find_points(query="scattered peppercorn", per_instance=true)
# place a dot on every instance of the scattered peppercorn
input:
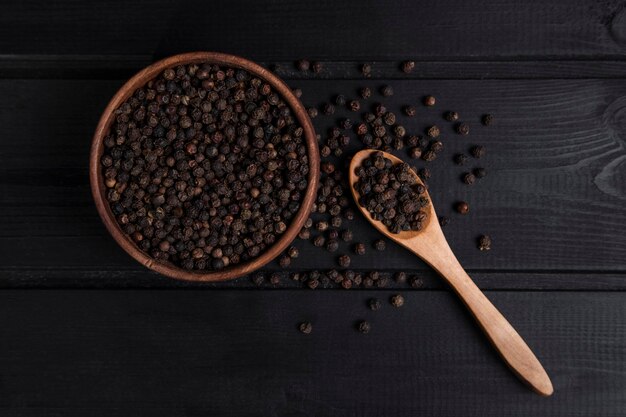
(332, 245)
(480, 172)
(415, 152)
(374, 304)
(319, 241)
(359, 248)
(366, 70)
(380, 245)
(462, 207)
(317, 67)
(397, 300)
(275, 278)
(429, 101)
(344, 261)
(424, 173)
(400, 277)
(462, 128)
(305, 327)
(407, 66)
(346, 235)
(444, 221)
(303, 65)
(354, 105)
(433, 131)
(469, 178)
(417, 282)
(477, 151)
(284, 261)
(451, 116)
(488, 119)
(460, 159)
(328, 109)
(386, 91)
(364, 327)
(409, 111)
(365, 93)
(258, 279)
(312, 112)
(484, 243)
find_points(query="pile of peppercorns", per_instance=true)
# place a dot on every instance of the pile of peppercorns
(391, 194)
(204, 166)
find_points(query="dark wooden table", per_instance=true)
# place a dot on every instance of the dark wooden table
(85, 331)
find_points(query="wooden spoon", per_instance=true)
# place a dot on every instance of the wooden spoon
(430, 244)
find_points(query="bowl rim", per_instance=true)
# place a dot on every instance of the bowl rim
(98, 188)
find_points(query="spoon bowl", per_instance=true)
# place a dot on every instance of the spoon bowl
(430, 245)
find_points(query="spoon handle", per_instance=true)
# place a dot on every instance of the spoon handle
(498, 330)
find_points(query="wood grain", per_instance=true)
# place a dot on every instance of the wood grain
(325, 29)
(552, 200)
(175, 353)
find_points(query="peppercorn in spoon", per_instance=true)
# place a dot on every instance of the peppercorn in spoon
(419, 231)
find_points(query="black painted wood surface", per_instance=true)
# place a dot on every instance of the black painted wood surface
(553, 201)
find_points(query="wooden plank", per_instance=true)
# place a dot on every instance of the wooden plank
(97, 67)
(282, 29)
(233, 353)
(553, 199)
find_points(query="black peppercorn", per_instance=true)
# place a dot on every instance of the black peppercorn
(400, 277)
(433, 131)
(305, 327)
(469, 178)
(477, 151)
(397, 300)
(354, 105)
(415, 152)
(407, 66)
(328, 109)
(462, 128)
(303, 65)
(344, 261)
(451, 116)
(484, 243)
(366, 70)
(293, 252)
(365, 93)
(374, 304)
(460, 159)
(409, 111)
(364, 327)
(316, 66)
(319, 241)
(312, 111)
(488, 119)
(480, 172)
(386, 91)
(332, 245)
(380, 245)
(462, 207)
(284, 261)
(359, 249)
(429, 101)
(444, 221)
(417, 282)
(313, 283)
(258, 279)
(275, 278)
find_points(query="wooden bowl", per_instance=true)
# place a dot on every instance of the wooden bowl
(98, 188)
